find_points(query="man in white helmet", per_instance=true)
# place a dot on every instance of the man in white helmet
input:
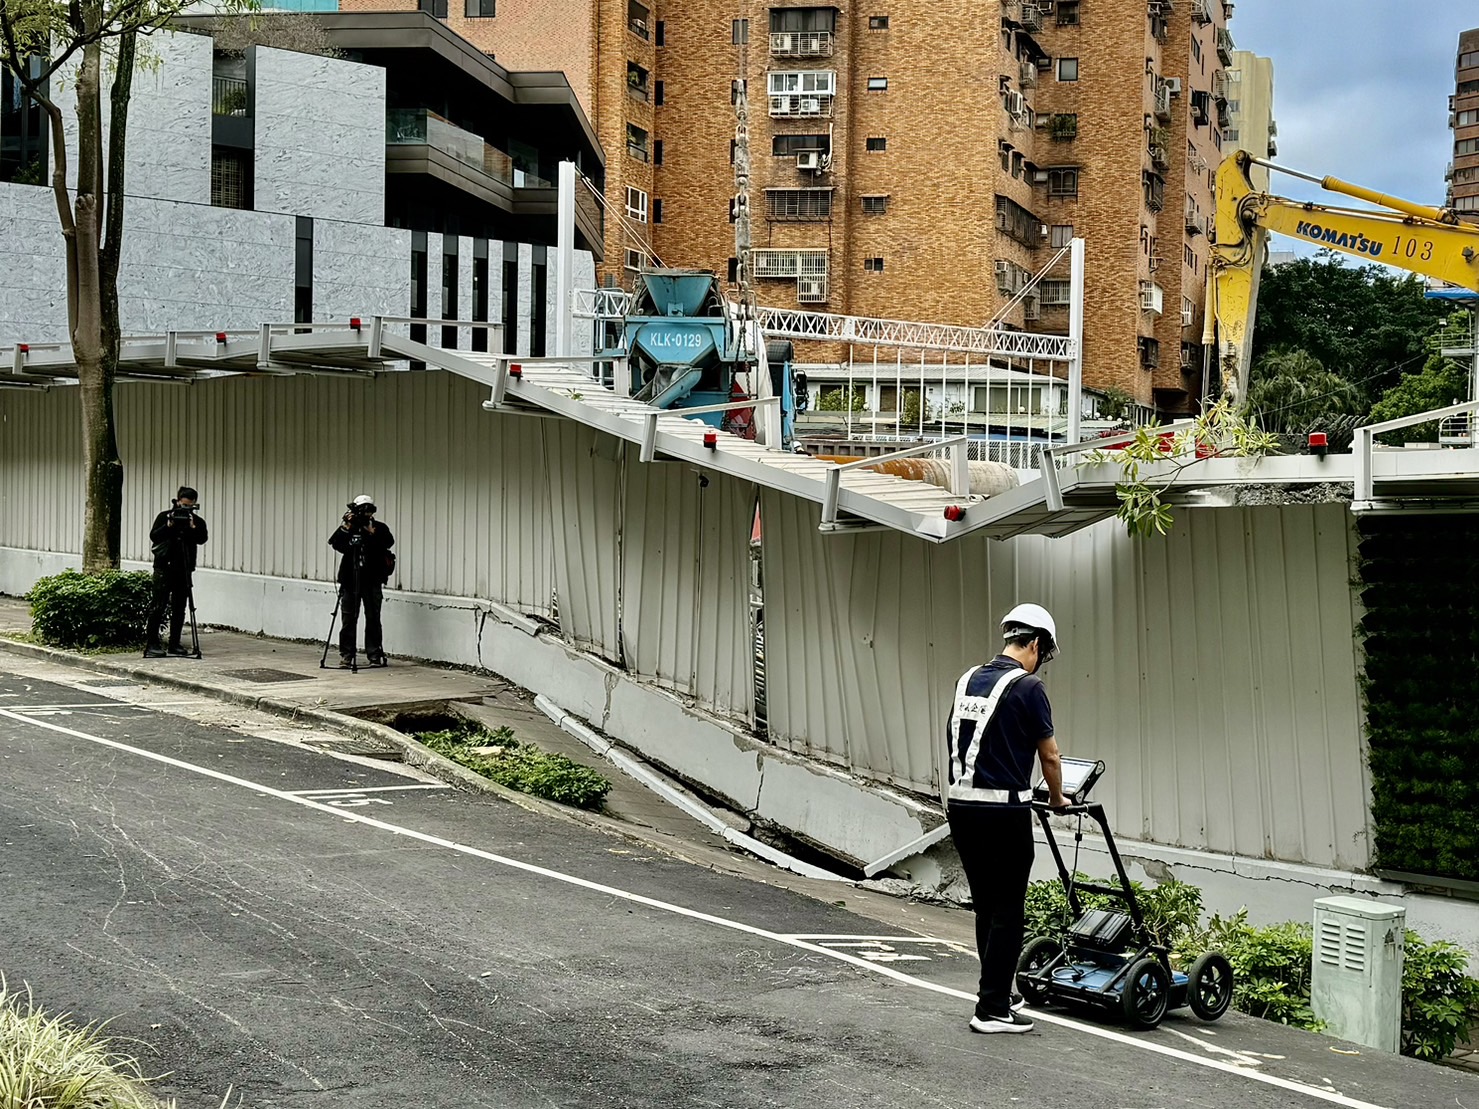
(364, 542)
(1000, 723)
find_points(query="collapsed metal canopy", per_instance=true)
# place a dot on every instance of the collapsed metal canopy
(1058, 498)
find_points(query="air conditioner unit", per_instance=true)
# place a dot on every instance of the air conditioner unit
(1173, 85)
(1186, 356)
(1042, 231)
(1040, 177)
(1001, 220)
(780, 44)
(1040, 120)
(1016, 103)
(1003, 275)
(1152, 297)
(809, 160)
(1031, 308)
(811, 104)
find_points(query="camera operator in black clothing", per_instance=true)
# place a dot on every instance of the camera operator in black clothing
(365, 543)
(175, 535)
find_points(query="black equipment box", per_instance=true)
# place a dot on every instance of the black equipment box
(1102, 930)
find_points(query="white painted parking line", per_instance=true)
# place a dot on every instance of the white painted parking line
(1314, 1093)
(366, 789)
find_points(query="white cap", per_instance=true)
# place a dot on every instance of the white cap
(364, 498)
(1033, 617)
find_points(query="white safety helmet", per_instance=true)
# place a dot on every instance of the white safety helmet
(363, 498)
(1025, 619)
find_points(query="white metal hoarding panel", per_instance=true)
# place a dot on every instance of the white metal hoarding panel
(276, 460)
(585, 473)
(685, 584)
(40, 480)
(1214, 670)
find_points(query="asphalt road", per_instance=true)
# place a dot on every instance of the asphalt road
(312, 930)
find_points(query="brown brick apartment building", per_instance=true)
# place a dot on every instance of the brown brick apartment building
(911, 159)
(1463, 107)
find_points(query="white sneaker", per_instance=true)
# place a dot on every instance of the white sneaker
(1012, 1023)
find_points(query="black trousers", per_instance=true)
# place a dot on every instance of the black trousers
(171, 591)
(370, 594)
(995, 847)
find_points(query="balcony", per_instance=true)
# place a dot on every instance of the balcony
(802, 106)
(1225, 46)
(421, 127)
(801, 44)
(1201, 108)
(1196, 223)
(1027, 79)
(1201, 11)
(1160, 148)
(1219, 85)
(230, 96)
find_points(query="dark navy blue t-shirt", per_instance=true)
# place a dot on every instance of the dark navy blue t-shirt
(1023, 719)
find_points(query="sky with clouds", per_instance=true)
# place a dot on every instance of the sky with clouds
(1361, 88)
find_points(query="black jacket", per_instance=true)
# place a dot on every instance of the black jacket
(174, 544)
(373, 550)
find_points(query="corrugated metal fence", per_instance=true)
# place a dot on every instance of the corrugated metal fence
(1214, 670)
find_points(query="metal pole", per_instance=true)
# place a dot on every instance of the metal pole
(1076, 337)
(565, 258)
(873, 427)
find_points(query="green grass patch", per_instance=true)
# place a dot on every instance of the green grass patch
(50, 1061)
(520, 766)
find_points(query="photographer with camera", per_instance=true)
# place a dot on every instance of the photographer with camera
(365, 543)
(176, 533)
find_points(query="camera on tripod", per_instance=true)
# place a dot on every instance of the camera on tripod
(182, 512)
(358, 515)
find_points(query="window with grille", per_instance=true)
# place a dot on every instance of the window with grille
(790, 263)
(1063, 182)
(798, 204)
(231, 183)
(1061, 234)
(633, 259)
(877, 146)
(875, 205)
(1055, 292)
(1018, 222)
(1068, 13)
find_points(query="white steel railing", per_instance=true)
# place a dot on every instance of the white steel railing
(801, 44)
(1365, 443)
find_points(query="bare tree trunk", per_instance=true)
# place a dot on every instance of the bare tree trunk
(102, 472)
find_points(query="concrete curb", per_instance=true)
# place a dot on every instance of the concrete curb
(412, 753)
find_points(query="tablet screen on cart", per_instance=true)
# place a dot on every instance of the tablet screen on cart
(1079, 776)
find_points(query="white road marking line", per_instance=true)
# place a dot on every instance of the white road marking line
(1330, 1096)
(367, 789)
(110, 705)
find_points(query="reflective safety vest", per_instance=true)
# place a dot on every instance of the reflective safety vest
(979, 711)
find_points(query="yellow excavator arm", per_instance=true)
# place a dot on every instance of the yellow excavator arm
(1416, 237)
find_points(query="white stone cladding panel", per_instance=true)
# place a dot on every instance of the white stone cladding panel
(464, 291)
(359, 270)
(33, 268)
(189, 266)
(525, 300)
(169, 119)
(320, 137)
(184, 267)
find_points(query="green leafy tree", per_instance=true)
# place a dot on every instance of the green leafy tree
(1441, 383)
(1115, 403)
(80, 42)
(1361, 323)
(840, 400)
(1292, 391)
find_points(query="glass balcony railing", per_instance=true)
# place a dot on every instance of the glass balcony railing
(420, 127)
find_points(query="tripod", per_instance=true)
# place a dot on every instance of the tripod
(357, 552)
(194, 628)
